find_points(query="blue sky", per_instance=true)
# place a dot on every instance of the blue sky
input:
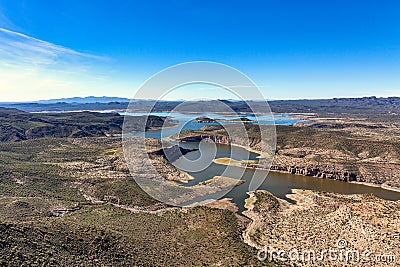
(291, 49)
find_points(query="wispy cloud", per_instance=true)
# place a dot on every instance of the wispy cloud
(18, 48)
(31, 68)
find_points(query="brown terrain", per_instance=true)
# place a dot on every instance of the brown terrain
(363, 228)
(350, 149)
(70, 199)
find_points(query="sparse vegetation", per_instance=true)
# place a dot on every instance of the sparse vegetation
(42, 175)
(108, 220)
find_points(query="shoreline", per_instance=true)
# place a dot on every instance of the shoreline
(382, 186)
(237, 163)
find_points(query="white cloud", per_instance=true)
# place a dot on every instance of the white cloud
(19, 48)
(32, 69)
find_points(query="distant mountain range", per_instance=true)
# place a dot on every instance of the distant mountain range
(72, 100)
(84, 100)
(370, 106)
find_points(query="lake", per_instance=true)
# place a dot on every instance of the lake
(279, 184)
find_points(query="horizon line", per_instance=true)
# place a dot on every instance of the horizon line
(171, 100)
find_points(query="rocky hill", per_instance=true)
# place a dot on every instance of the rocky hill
(16, 125)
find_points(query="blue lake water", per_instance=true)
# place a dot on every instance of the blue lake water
(185, 121)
